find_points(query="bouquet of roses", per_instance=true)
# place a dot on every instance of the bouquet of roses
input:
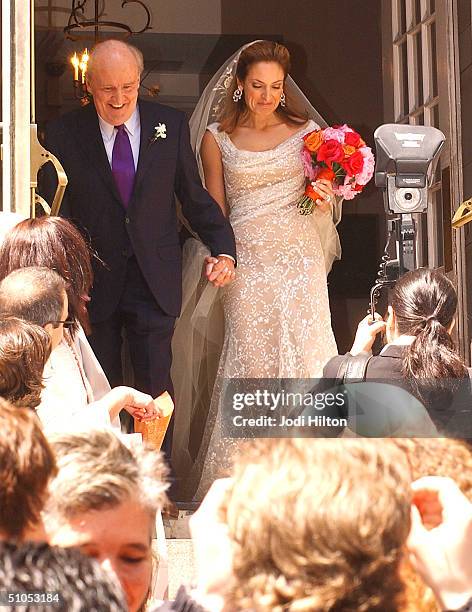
(339, 155)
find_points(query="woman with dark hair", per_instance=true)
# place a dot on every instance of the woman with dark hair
(248, 131)
(419, 350)
(57, 244)
(276, 312)
(73, 377)
(423, 305)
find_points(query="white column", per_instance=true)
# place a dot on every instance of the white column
(16, 107)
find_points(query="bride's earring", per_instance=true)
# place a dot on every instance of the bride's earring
(238, 94)
(282, 99)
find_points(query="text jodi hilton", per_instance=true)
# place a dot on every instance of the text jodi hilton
(302, 420)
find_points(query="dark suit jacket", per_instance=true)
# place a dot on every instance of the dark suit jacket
(148, 228)
(450, 411)
(387, 365)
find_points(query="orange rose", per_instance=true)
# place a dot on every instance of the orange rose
(311, 193)
(324, 173)
(313, 141)
(348, 150)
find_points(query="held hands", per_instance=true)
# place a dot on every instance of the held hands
(219, 270)
(140, 405)
(325, 189)
(367, 331)
(440, 540)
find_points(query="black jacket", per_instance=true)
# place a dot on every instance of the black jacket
(148, 228)
(380, 410)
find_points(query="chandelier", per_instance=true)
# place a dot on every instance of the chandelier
(79, 23)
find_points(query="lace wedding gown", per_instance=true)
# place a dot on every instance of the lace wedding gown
(276, 311)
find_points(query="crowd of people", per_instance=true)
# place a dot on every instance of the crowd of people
(319, 525)
(377, 518)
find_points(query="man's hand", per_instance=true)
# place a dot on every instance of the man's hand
(440, 540)
(219, 270)
(367, 331)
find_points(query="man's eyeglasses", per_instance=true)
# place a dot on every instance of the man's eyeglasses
(66, 324)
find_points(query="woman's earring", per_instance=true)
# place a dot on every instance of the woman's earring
(238, 93)
(282, 99)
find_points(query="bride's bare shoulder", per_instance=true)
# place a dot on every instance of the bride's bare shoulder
(298, 125)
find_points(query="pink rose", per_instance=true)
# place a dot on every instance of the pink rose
(308, 169)
(330, 133)
(345, 191)
(369, 165)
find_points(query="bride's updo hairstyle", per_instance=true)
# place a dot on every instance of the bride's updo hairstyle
(262, 51)
(425, 302)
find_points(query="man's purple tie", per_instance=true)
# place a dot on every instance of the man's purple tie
(122, 164)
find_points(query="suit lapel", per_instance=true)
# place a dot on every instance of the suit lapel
(147, 151)
(91, 141)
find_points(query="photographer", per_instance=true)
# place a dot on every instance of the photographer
(419, 354)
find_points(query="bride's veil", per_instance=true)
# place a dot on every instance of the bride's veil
(199, 332)
(209, 105)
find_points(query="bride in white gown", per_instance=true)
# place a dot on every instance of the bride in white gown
(277, 321)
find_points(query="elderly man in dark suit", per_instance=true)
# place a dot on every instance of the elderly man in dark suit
(126, 159)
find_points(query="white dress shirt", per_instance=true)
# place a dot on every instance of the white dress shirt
(133, 129)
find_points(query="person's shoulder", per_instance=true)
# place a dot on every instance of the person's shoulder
(311, 125)
(69, 121)
(332, 366)
(214, 128)
(75, 115)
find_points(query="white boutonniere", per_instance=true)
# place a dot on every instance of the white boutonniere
(159, 132)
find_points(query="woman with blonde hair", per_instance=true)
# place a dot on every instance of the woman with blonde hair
(305, 526)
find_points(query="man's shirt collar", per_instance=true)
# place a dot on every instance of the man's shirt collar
(132, 126)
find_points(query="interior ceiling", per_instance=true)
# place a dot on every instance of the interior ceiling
(184, 53)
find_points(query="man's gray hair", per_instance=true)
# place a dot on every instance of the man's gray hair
(114, 44)
(97, 471)
(35, 294)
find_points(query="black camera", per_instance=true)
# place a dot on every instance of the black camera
(407, 156)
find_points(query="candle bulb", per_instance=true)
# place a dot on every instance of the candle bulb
(75, 62)
(84, 62)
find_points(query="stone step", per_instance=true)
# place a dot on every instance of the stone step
(181, 564)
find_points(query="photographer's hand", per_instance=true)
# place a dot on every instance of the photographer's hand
(367, 331)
